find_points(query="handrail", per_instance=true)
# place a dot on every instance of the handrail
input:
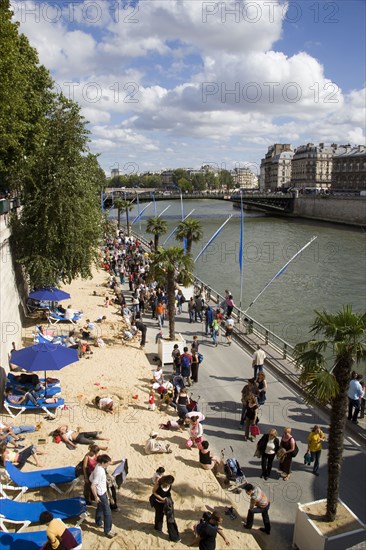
(249, 324)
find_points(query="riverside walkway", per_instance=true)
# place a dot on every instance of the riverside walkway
(222, 375)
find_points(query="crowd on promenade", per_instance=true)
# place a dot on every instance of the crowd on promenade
(127, 263)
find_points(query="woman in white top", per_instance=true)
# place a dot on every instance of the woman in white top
(268, 446)
(73, 437)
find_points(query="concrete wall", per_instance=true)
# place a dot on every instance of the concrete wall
(11, 307)
(348, 210)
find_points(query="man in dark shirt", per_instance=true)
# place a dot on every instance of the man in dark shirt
(207, 531)
(143, 328)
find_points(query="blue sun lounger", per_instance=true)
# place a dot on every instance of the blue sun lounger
(39, 478)
(43, 405)
(13, 381)
(54, 318)
(26, 513)
(32, 540)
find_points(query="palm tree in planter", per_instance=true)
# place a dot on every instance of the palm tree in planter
(157, 227)
(325, 364)
(191, 230)
(123, 204)
(167, 265)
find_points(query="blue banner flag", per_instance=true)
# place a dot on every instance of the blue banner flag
(213, 238)
(139, 215)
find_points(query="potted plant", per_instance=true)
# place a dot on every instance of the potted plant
(325, 364)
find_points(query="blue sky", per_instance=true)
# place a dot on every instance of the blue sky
(168, 83)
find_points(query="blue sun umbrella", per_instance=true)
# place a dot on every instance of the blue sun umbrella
(49, 294)
(44, 357)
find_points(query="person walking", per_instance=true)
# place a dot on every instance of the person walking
(209, 317)
(355, 393)
(249, 390)
(259, 504)
(258, 360)
(288, 446)
(194, 366)
(185, 366)
(229, 302)
(176, 358)
(315, 439)
(191, 310)
(229, 327)
(268, 446)
(251, 416)
(262, 388)
(98, 480)
(215, 331)
(162, 501)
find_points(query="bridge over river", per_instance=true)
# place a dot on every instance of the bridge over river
(271, 203)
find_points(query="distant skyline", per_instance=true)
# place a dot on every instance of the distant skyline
(182, 83)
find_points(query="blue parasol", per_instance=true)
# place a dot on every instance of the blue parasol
(44, 357)
(49, 294)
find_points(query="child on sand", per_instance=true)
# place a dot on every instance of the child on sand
(151, 405)
(158, 474)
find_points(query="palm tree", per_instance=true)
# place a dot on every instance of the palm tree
(191, 230)
(157, 227)
(325, 364)
(123, 204)
(166, 266)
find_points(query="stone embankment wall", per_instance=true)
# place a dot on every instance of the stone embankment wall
(347, 210)
(11, 307)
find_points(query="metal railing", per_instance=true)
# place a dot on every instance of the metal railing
(246, 325)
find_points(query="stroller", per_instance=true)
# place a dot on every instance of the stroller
(233, 471)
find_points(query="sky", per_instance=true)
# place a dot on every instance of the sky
(183, 83)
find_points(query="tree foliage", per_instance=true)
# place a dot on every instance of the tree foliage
(157, 227)
(325, 369)
(191, 230)
(167, 267)
(57, 233)
(25, 97)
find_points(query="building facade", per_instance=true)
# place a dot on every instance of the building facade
(267, 163)
(312, 166)
(281, 170)
(349, 169)
(245, 178)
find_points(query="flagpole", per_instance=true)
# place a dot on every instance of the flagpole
(138, 209)
(281, 271)
(139, 216)
(165, 209)
(175, 228)
(241, 247)
(213, 237)
(181, 206)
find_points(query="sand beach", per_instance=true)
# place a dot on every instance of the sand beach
(124, 372)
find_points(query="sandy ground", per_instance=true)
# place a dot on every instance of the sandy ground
(123, 371)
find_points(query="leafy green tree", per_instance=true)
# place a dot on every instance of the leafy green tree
(167, 266)
(119, 181)
(157, 227)
(198, 182)
(184, 185)
(178, 174)
(211, 181)
(151, 181)
(25, 97)
(226, 179)
(325, 365)
(59, 227)
(126, 206)
(191, 230)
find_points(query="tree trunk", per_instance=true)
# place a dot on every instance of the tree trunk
(171, 303)
(119, 217)
(342, 373)
(189, 245)
(128, 222)
(156, 241)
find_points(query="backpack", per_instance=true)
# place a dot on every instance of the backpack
(182, 299)
(185, 362)
(295, 451)
(200, 358)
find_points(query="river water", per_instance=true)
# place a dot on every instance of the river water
(329, 273)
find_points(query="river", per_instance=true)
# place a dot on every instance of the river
(329, 273)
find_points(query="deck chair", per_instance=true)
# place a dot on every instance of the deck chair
(13, 381)
(54, 318)
(24, 514)
(39, 478)
(43, 405)
(32, 540)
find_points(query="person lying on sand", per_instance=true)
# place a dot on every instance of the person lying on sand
(72, 437)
